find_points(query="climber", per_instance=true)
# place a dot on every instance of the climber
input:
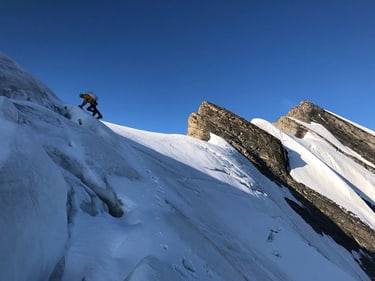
(91, 98)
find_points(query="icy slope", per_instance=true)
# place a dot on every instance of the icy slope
(32, 201)
(16, 83)
(192, 210)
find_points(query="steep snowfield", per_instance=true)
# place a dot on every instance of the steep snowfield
(16, 83)
(320, 166)
(192, 210)
(87, 200)
(32, 201)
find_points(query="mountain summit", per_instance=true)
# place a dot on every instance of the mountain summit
(353, 136)
(233, 200)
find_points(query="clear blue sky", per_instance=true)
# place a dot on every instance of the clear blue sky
(152, 62)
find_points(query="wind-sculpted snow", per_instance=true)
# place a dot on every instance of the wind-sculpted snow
(18, 84)
(33, 207)
(50, 169)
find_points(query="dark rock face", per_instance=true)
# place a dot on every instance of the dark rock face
(290, 126)
(269, 156)
(261, 148)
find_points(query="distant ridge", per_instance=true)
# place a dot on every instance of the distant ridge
(358, 139)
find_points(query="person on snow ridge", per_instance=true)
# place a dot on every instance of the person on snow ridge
(90, 98)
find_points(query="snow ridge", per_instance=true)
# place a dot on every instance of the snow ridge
(88, 200)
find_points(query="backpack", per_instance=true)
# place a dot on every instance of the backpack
(91, 94)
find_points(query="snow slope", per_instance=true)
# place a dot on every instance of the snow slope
(88, 200)
(317, 164)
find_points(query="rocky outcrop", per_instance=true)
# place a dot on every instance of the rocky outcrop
(291, 126)
(261, 148)
(347, 133)
(268, 154)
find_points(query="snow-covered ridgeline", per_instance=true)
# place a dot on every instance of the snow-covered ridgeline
(321, 167)
(192, 210)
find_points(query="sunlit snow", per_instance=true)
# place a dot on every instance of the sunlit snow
(321, 167)
(88, 200)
